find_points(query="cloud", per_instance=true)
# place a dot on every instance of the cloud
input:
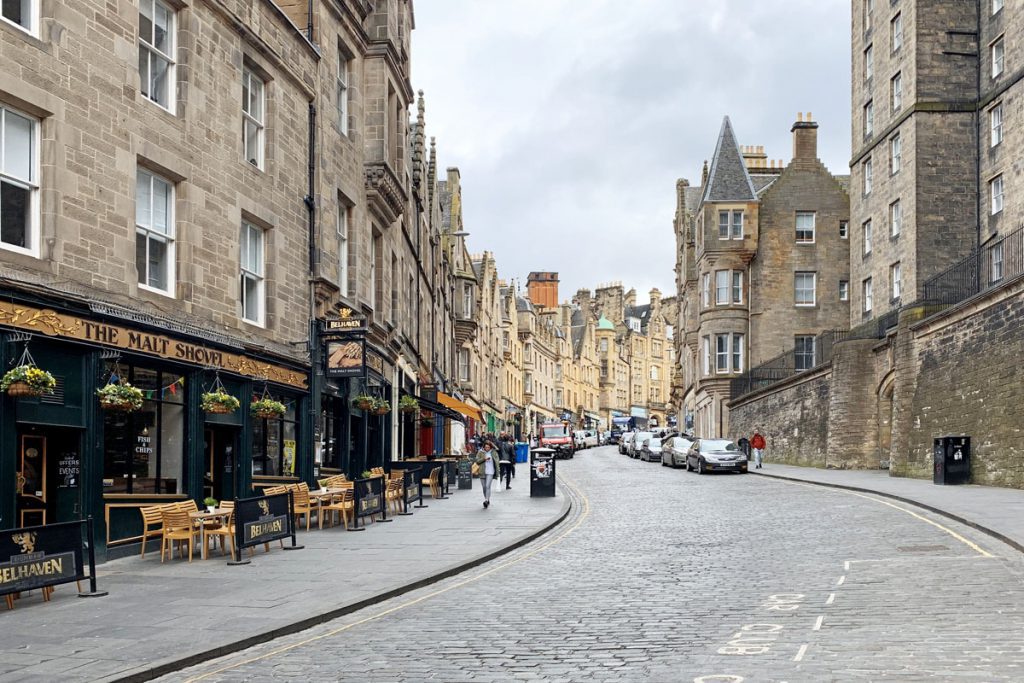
(571, 121)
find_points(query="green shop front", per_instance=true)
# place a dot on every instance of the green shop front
(67, 457)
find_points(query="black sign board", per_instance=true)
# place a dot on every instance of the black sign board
(68, 469)
(345, 358)
(542, 473)
(262, 519)
(410, 487)
(41, 556)
(465, 473)
(368, 497)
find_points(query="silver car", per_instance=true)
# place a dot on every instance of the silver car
(651, 450)
(674, 450)
(624, 442)
(637, 443)
(715, 455)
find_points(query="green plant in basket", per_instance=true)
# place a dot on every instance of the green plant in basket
(219, 402)
(28, 380)
(364, 401)
(267, 408)
(408, 404)
(120, 396)
(381, 406)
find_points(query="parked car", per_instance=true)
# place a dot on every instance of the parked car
(674, 450)
(624, 442)
(714, 455)
(637, 443)
(614, 436)
(651, 451)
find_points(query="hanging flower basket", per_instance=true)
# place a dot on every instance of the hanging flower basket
(120, 396)
(27, 380)
(267, 408)
(219, 403)
(364, 402)
(408, 404)
(381, 407)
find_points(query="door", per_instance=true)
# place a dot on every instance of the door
(220, 480)
(49, 475)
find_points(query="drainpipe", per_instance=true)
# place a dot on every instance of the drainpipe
(310, 430)
(309, 21)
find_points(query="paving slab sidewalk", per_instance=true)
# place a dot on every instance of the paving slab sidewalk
(159, 614)
(996, 511)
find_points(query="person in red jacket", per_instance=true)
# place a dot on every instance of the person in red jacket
(758, 444)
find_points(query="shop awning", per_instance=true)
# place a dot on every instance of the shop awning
(438, 409)
(458, 406)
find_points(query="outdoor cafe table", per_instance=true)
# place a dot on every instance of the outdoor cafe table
(203, 517)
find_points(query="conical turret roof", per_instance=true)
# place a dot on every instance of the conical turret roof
(728, 180)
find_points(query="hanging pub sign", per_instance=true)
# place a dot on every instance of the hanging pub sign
(41, 556)
(347, 321)
(345, 358)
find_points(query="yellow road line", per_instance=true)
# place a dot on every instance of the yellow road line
(970, 544)
(583, 516)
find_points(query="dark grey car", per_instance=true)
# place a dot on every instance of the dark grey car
(716, 455)
(674, 450)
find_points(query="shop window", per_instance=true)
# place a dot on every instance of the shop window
(274, 445)
(144, 451)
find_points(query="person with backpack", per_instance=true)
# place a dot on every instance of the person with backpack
(758, 444)
(506, 459)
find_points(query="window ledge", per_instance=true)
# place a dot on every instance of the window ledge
(154, 290)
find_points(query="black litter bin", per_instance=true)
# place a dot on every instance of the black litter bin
(952, 460)
(542, 472)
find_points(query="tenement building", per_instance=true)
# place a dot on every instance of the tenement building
(935, 253)
(762, 268)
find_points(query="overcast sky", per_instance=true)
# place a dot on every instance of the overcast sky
(570, 120)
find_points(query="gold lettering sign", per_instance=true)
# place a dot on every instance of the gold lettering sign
(54, 324)
(375, 362)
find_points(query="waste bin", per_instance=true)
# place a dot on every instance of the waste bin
(522, 451)
(542, 472)
(952, 459)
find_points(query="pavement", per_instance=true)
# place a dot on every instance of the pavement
(161, 617)
(996, 511)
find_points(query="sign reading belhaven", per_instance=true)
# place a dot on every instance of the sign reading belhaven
(34, 557)
(347, 321)
(262, 519)
(369, 496)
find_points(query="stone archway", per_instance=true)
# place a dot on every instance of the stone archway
(885, 415)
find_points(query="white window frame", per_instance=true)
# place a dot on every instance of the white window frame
(257, 119)
(33, 19)
(737, 352)
(736, 226)
(996, 196)
(706, 290)
(803, 274)
(867, 295)
(707, 356)
(895, 154)
(895, 218)
(342, 227)
(896, 280)
(869, 119)
(150, 233)
(722, 287)
(737, 286)
(866, 169)
(723, 225)
(844, 290)
(869, 66)
(896, 31)
(723, 353)
(145, 44)
(467, 300)
(804, 229)
(31, 183)
(342, 95)
(463, 360)
(997, 52)
(868, 230)
(896, 92)
(844, 230)
(253, 270)
(995, 118)
(996, 262)
(997, 5)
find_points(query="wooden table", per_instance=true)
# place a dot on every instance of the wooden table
(201, 517)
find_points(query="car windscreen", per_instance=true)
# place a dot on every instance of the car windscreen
(709, 445)
(643, 436)
(554, 430)
(654, 442)
(681, 443)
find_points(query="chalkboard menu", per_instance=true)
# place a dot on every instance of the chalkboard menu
(68, 469)
(465, 475)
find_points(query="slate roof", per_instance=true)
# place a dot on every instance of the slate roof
(578, 328)
(728, 180)
(643, 313)
(523, 304)
(763, 182)
(445, 198)
(692, 196)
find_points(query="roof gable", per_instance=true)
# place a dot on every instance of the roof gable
(728, 180)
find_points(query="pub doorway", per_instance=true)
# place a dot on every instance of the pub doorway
(48, 474)
(220, 477)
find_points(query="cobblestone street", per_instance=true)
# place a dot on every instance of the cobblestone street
(665, 575)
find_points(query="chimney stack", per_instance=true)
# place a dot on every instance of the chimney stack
(805, 137)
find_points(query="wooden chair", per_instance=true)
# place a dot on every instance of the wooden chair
(178, 527)
(434, 482)
(222, 531)
(393, 494)
(275, 490)
(151, 516)
(304, 505)
(343, 503)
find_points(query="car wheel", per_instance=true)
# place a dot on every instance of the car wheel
(700, 467)
(663, 462)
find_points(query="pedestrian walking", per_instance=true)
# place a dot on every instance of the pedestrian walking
(487, 461)
(758, 444)
(506, 459)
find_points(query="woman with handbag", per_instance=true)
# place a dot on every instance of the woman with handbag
(486, 464)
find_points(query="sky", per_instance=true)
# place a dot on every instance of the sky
(571, 120)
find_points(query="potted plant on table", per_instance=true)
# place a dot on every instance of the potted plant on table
(120, 396)
(211, 503)
(219, 402)
(267, 408)
(408, 404)
(364, 401)
(27, 380)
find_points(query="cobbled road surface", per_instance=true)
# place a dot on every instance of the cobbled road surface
(667, 575)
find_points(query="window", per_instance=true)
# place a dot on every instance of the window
(996, 6)
(895, 218)
(464, 369)
(344, 64)
(654, 373)
(866, 168)
(803, 352)
(737, 225)
(805, 286)
(867, 236)
(707, 356)
(896, 92)
(895, 280)
(737, 287)
(723, 225)
(866, 292)
(869, 119)
(154, 231)
(896, 31)
(844, 229)
(895, 154)
(394, 289)
(721, 353)
(844, 290)
(730, 225)
(156, 51)
(996, 261)
(374, 270)
(343, 214)
(253, 106)
(805, 227)
(706, 289)
(251, 250)
(604, 346)
(737, 353)
(996, 192)
(722, 287)
(869, 69)
(998, 57)
(869, 7)
(467, 300)
(21, 13)
(271, 456)
(19, 187)
(995, 117)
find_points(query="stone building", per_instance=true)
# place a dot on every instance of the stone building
(762, 269)
(539, 336)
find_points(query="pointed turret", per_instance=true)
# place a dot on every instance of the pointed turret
(728, 180)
